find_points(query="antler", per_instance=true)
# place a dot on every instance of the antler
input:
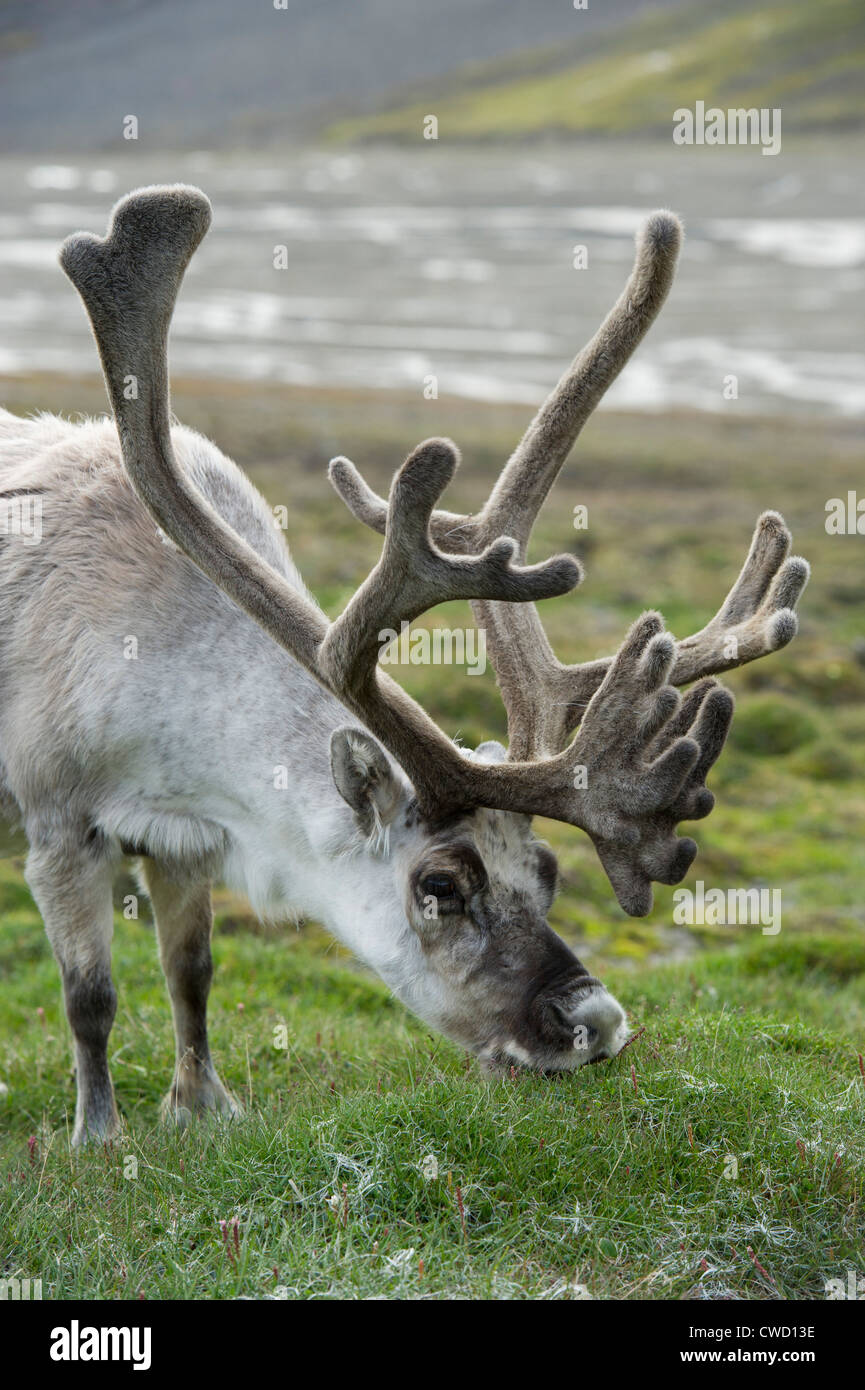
(545, 698)
(636, 767)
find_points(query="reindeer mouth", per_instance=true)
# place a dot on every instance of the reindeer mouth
(600, 1040)
(505, 1060)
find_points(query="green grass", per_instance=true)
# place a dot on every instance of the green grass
(752, 1042)
(611, 1179)
(628, 79)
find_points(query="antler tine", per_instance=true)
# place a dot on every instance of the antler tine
(358, 496)
(534, 465)
(451, 531)
(757, 617)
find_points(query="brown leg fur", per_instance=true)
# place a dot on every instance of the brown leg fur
(71, 883)
(184, 922)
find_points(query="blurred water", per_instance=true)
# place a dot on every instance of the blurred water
(406, 264)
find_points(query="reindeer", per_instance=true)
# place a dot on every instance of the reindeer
(415, 852)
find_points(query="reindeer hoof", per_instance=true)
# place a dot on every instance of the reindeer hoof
(95, 1130)
(208, 1096)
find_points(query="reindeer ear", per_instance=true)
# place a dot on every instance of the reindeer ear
(365, 779)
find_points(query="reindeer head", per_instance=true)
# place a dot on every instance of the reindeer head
(609, 746)
(474, 891)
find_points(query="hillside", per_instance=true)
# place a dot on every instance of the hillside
(628, 79)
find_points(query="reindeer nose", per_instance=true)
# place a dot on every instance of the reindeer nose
(599, 1024)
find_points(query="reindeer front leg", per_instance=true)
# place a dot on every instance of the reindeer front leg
(70, 880)
(184, 921)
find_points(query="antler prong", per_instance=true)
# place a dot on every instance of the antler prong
(358, 496)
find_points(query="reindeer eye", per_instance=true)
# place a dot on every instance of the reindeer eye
(440, 886)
